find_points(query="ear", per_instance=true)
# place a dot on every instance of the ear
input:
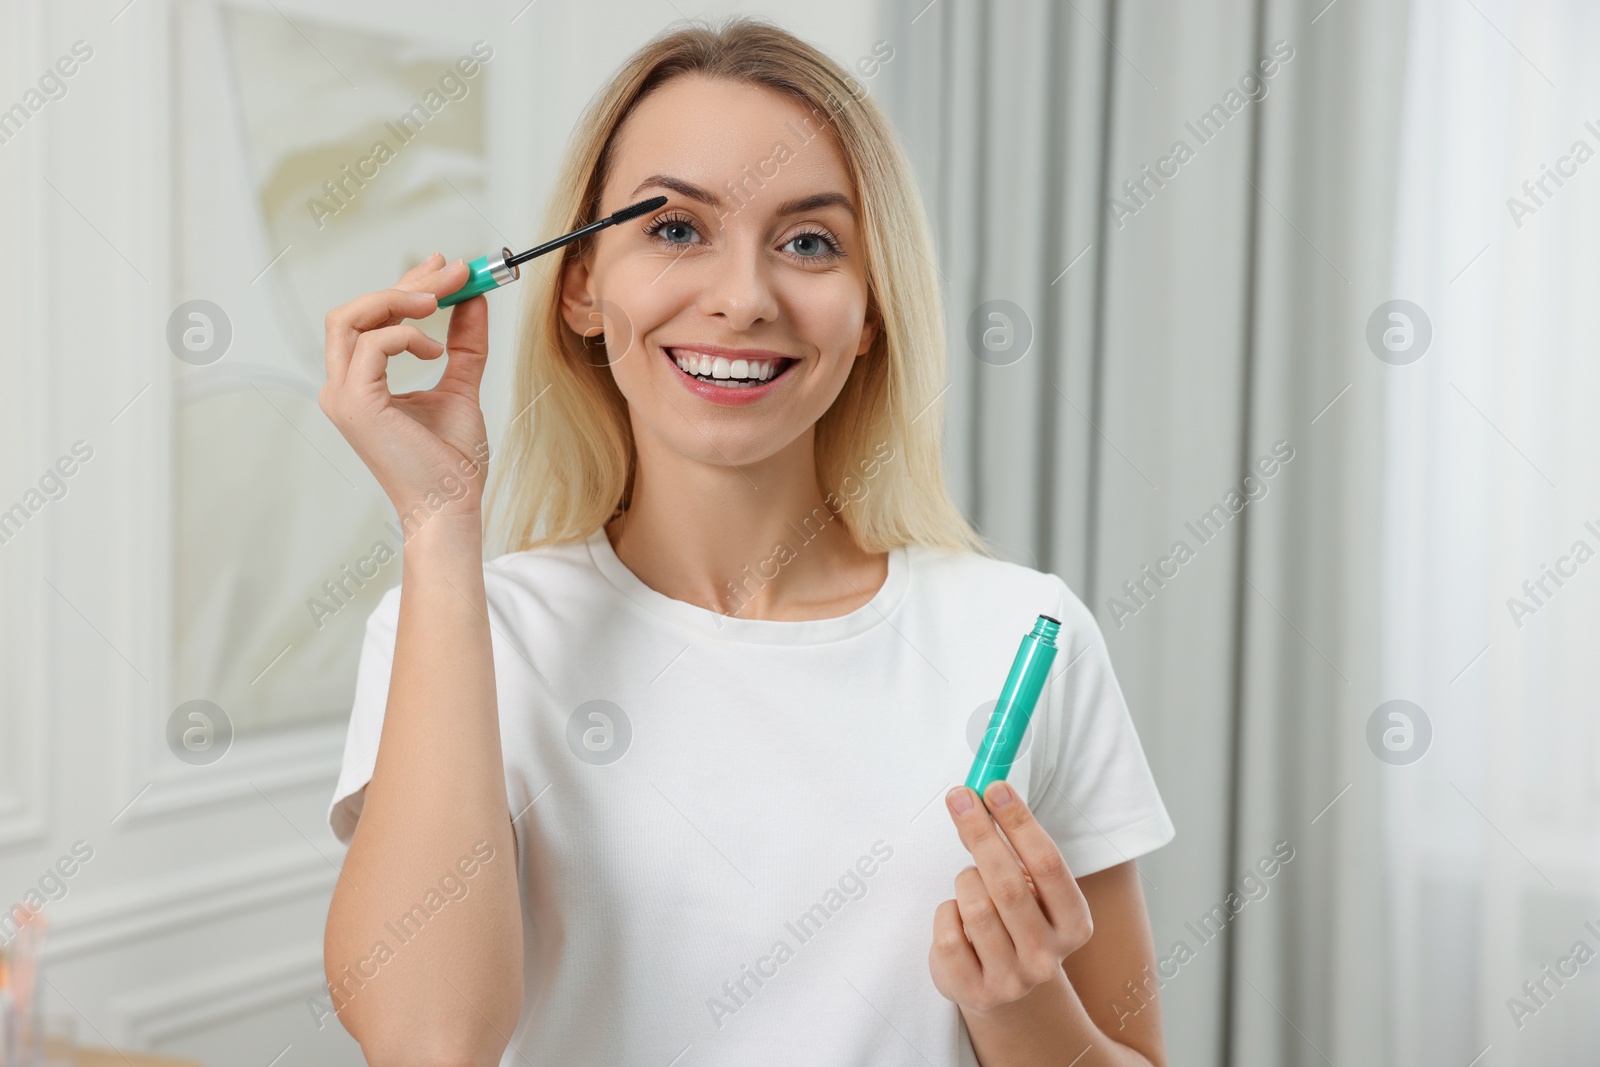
(870, 325)
(577, 302)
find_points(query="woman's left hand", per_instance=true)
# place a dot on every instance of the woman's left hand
(1011, 923)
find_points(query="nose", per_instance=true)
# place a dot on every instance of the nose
(738, 286)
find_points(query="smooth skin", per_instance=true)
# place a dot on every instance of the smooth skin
(716, 486)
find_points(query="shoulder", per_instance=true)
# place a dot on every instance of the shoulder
(554, 567)
(978, 583)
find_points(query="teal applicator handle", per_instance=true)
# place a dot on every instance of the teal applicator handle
(484, 273)
(1009, 722)
(495, 269)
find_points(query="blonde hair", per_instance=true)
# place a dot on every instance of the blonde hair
(568, 461)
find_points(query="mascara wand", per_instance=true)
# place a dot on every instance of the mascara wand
(492, 271)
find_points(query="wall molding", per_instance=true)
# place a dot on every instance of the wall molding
(143, 911)
(159, 1014)
(288, 759)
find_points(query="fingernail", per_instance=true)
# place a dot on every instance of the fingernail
(960, 799)
(1000, 794)
(451, 265)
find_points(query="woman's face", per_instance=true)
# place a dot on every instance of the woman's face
(756, 257)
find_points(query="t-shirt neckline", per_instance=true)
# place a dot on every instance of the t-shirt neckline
(714, 624)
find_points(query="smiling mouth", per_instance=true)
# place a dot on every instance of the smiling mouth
(729, 374)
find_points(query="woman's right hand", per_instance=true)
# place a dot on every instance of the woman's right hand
(428, 445)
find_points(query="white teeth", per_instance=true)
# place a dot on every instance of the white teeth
(737, 373)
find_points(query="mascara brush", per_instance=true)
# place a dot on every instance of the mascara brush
(496, 269)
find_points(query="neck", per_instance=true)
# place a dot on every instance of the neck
(755, 541)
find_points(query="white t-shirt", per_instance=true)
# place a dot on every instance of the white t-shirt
(733, 834)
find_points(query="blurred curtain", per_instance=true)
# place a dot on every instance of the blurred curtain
(1162, 230)
(1493, 595)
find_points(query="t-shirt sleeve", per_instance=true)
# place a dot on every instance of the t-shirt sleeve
(366, 716)
(1095, 794)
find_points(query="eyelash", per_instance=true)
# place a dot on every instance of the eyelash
(660, 222)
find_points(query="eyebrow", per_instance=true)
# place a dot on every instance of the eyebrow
(710, 199)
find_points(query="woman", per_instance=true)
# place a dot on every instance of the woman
(655, 785)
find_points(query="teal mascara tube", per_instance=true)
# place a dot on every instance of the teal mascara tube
(1029, 672)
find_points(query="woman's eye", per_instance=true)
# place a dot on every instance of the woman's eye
(669, 229)
(816, 245)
